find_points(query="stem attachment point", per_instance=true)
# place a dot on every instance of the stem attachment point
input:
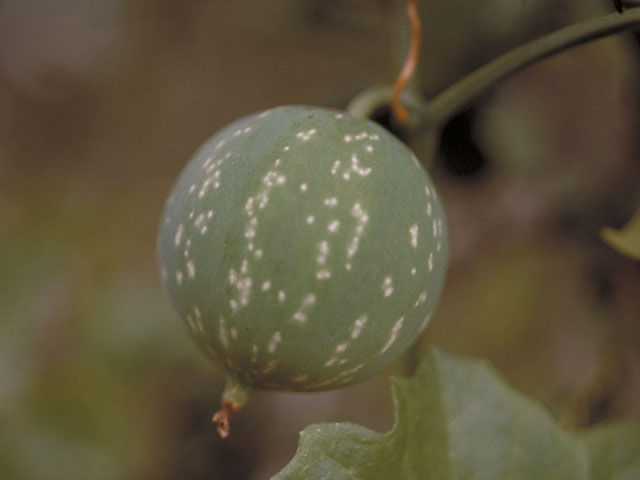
(234, 397)
(223, 418)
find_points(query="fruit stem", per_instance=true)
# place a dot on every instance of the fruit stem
(368, 101)
(234, 397)
(447, 103)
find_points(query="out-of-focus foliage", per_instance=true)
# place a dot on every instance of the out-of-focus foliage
(94, 364)
(626, 240)
(72, 44)
(613, 450)
(455, 419)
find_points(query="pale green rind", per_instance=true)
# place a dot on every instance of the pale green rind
(627, 240)
(304, 248)
(456, 419)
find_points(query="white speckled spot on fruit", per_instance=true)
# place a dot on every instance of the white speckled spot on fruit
(304, 248)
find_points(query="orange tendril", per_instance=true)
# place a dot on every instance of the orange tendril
(399, 112)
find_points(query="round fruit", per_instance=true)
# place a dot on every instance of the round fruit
(305, 248)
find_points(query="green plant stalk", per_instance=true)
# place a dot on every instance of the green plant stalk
(447, 103)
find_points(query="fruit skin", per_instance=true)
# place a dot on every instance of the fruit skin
(304, 248)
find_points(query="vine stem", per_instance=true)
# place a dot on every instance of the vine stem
(401, 113)
(447, 103)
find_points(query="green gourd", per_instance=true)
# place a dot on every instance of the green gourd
(304, 248)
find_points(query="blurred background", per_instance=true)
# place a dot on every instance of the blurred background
(103, 102)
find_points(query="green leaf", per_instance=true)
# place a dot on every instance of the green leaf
(456, 419)
(349, 451)
(632, 473)
(627, 240)
(614, 450)
(496, 432)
